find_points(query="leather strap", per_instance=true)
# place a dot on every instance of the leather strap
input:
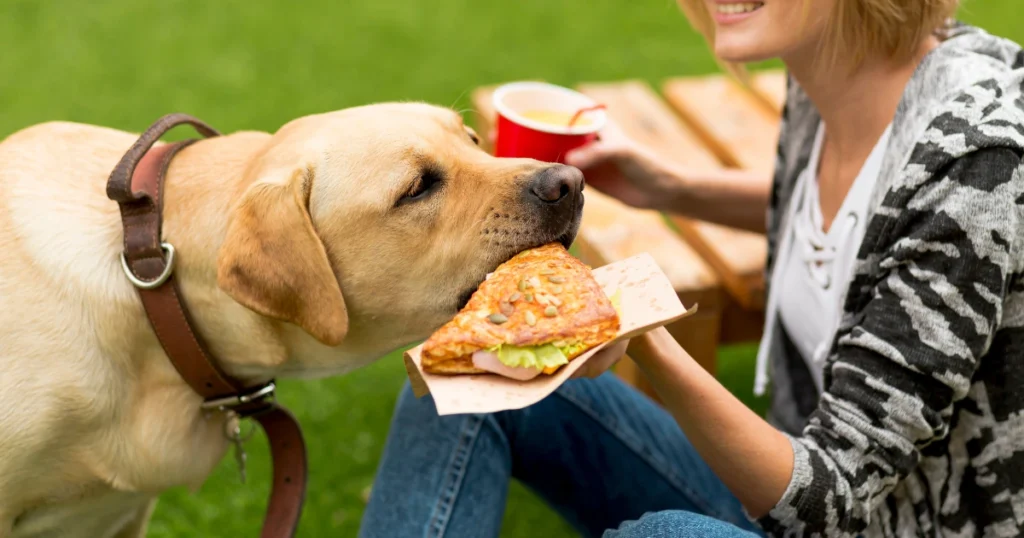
(136, 184)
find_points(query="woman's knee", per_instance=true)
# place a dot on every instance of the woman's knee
(677, 524)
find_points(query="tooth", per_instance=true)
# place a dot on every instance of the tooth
(744, 7)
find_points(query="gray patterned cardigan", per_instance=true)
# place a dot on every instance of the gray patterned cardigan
(920, 428)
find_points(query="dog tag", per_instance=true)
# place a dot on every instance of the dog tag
(240, 454)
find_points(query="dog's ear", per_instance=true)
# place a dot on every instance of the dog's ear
(273, 262)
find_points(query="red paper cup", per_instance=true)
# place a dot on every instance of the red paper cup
(519, 135)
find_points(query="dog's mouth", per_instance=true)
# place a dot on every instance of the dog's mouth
(465, 296)
(565, 239)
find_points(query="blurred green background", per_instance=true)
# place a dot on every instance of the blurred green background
(255, 65)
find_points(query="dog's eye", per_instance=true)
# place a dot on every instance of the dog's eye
(428, 182)
(474, 138)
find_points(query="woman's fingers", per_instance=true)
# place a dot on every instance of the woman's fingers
(611, 143)
(588, 156)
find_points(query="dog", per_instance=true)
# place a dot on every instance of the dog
(304, 253)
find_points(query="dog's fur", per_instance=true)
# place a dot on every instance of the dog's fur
(299, 254)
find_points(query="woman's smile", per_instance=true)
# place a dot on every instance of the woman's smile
(729, 12)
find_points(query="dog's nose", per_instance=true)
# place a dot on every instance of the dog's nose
(553, 184)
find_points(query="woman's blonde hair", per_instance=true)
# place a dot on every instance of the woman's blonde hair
(858, 28)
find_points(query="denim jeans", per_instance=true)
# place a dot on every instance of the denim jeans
(602, 455)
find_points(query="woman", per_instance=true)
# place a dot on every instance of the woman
(895, 332)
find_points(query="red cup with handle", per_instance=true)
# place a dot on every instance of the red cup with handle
(534, 121)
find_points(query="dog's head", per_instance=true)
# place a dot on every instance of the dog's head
(370, 227)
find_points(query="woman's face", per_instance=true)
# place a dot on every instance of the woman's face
(748, 31)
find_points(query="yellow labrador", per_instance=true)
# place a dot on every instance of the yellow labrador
(309, 252)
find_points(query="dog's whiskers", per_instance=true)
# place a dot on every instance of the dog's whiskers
(457, 99)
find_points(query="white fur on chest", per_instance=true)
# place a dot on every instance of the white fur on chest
(98, 516)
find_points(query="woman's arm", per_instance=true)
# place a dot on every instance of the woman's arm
(730, 197)
(752, 458)
(953, 246)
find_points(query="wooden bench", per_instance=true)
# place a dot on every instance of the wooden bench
(740, 125)
(707, 123)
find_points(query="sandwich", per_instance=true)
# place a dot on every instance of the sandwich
(531, 316)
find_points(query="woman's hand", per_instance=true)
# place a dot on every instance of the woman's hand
(602, 361)
(618, 166)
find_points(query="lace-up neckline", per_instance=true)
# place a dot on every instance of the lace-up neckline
(815, 267)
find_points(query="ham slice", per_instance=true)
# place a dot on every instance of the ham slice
(487, 360)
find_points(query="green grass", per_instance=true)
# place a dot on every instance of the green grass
(255, 65)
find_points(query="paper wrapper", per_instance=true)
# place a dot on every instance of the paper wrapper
(647, 301)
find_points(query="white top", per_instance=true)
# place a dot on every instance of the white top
(814, 267)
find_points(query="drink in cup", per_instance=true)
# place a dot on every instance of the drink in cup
(544, 121)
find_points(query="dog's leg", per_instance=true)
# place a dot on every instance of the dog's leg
(137, 527)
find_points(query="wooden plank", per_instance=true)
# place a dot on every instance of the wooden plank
(740, 324)
(645, 118)
(743, 132)
(735, 255)
(612, 231)
(730, 120)
(770, 86)
(642, 116)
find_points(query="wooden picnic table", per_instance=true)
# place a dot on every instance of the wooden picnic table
(705, 123)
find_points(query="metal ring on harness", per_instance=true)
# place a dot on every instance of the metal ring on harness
(159, 280)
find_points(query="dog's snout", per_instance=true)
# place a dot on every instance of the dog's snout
(555, 183)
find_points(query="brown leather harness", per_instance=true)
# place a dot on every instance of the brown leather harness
(136, 184)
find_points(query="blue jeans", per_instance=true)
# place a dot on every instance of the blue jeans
(602, 455)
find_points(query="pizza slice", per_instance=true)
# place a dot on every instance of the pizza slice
(534, 314)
